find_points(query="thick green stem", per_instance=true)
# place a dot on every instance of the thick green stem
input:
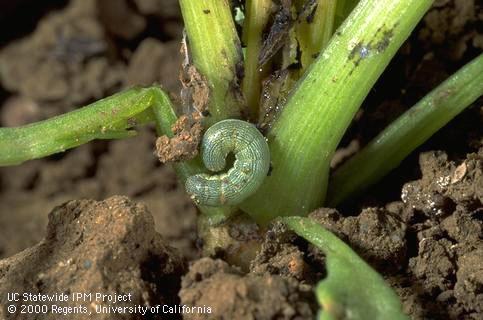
(216, 53)
(410, 130)
(324, 102)
(258, 12)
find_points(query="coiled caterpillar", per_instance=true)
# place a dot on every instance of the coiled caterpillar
(252, 161)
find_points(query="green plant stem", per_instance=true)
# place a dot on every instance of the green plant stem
(216, 51)
(109, 118)
(314, 34)
(322, 105)
(257, 14)
(409, 131)
(351, 287)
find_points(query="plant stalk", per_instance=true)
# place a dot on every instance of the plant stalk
(216, 53)
(315, 31)
(109, 118)
(258, 12)
(409, 131)
(322, 105)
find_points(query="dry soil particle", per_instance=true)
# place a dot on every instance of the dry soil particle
(24, 206)
(184, 144)
(232, 295)
(108, 247)
(376, 234)
(278, 255)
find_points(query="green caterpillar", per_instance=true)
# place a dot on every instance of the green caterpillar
(252, 162)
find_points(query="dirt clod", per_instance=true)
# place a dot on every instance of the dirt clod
(244, 296)
(434, 276)
(376, 234)
(444, 184)
(105, 246)
(184, 145)
(444, 225)
(469, 286)
(278, 255)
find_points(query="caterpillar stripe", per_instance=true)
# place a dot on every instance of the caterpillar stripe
(252, 161)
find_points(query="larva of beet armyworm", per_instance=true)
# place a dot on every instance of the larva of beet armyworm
(252, 161)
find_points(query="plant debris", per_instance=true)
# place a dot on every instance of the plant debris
(278, 34)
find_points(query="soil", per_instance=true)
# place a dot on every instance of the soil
(104, 247)
(421, 227)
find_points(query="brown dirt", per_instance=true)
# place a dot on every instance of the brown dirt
(106, 247)
(421, 227)
(184, 145)
(244, 296)
(428, 244)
